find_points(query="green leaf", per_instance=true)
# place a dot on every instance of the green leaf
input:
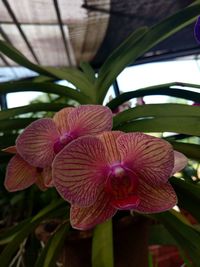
(189, 150)
(46, 87)
(76, 77)
(187, 238)
(185, 125)
(155, 111)
(116, 62)
(6, 114)
(50, 211)
(88, 70)
(72, 75)
(15, 124)
(152, 37)
(158, 235)
(161, 89)
(7, 235)
(53, 247)
(192, 190)
(102, 245)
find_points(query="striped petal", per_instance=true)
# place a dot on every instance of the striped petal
(47, 177)
(61, 120)
(19, 174)
(108, 139)
(36, 143)
(87, 218)
(151, 158)
(180, 161)
(77, 170)
(155, 198)
(90, 119)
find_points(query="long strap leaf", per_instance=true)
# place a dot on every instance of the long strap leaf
(152, 37)
(72, 75)
(46, 87)
(52, 249)
(187, 238)
(102, 246)
(50, 211)
(185, 125)
(155, 111)
(163, 89)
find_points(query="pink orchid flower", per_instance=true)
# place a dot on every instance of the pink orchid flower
(114, 171)
(43, 139)
(20, 174)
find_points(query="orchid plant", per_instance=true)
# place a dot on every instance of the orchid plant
(98, 167)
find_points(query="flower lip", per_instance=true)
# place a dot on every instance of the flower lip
(122, 185)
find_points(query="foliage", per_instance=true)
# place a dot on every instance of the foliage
(32, 205)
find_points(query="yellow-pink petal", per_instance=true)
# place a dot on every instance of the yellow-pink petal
(10, 149)
(90, 119)
(47, 177)
(77, 170)
(61, 119)
(36, 143)
(86, 218)
(150, 157)
(19, 174)
(155, 198)
(108, 139)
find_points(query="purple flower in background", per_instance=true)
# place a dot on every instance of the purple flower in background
(197, 30)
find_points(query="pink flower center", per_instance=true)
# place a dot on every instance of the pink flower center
(64, 139)
(122, 185)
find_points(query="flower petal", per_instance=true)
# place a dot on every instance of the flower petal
(150, 157)
(61, 120)
(155, 198)
(86, 218)
(36, 143)
(47, 176)
(180, 161)
(197, 30)
(10, 149)
(19, 174)
(109, 141)
(77, 170)
(90, 119)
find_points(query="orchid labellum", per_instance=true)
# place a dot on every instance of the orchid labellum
(114, 171)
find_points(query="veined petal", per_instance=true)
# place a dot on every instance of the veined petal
(109, 141)
(61, 119)
(77, 170)
(36, 143)
(180, 161)
(150, 157)
(87, 218)
(19, 174)
(10, 149)
(90, 119)
(155, 198)
(47, 176)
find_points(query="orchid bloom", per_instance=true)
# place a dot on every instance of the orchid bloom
(20, 174)
(114, 171)
(197, 30)
(43, 139)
